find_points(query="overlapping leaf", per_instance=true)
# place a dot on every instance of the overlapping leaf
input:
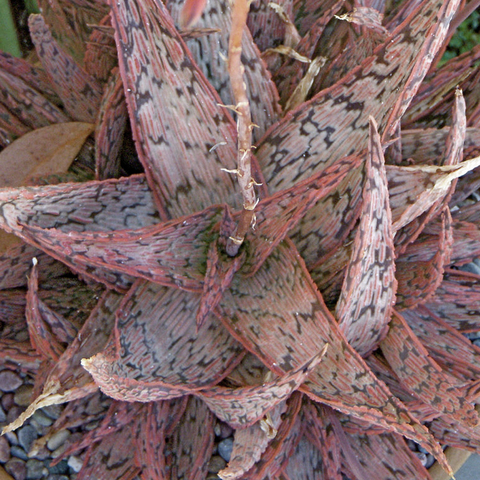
(364, 307)
(156, 354)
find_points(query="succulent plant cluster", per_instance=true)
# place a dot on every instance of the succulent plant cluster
(278, 248)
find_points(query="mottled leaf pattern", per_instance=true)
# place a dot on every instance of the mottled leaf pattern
(158, 92)
(421, 375)
(278, 315)
(191, 442)
(241, 407)
(79, 92)
(364, 307)
(418, 279)
(156, 328)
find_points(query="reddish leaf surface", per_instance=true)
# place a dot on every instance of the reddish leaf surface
(305, 463)
(241, 407)
(422, 376)
(387, 456)
(44, 324)
(450, 349)
(280, 448)
(281, 212)
(191, 442)
(364, 307)
(171, 253)
(250, 443)
(261, 91)
(451, 433)
(18, 353)
(306, 141)
(68, 380)
(156, 354)
(457, 300)
(286, 325)
(106, 460)
(418, 280)
(321, 433)
(151, 429)
(80, 93)
(159, 92)
(112, 121)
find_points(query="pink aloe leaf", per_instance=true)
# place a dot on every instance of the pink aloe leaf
(449, 348)
(418, 280)
(68, 380)
(21, 354)
(380, 455)
(79, 92)
(171, 253)
(321, 433)
(100, 57)
(218, 277)
(47, 329)
(29, 106)
(286, 321)
(413, 190)
(426, 146)
(261, 90)
(318, 143)
(151, 430)
(191, 442)
(364, 307)
(289, 75)
(280, 448)
(155, 352)
(281, 212)
(111, 125)
(118, 416)
(305, 462)
(241, 407)
(16, 262)
(32, 76)
(249, 443)
(158, 92)
(113, 457)
(421, 375)
(456, 300)
(451, 433)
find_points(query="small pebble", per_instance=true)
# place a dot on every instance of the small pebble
(26, 436)
(16, 468)
(423, 450)
(58, 439)
(12, 438)
(56, 476)
(471, 268)
(92, 425)
(225, 448)
(9, 381)
(477, 342)
(216, 464)
(412, 445)
(430, 460)
(14, 413)
(95, 406)
(36, 469)
(422, 457)
(23, 395)
(3, 415)
(75, 463)
(7, 401)
(223, 430)
(59, 451)
(40, 429)
(39, 452)
(4, 450)
(18, 452)
(52, 411)
(60, 468)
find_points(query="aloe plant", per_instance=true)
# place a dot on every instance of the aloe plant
(323, 322)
